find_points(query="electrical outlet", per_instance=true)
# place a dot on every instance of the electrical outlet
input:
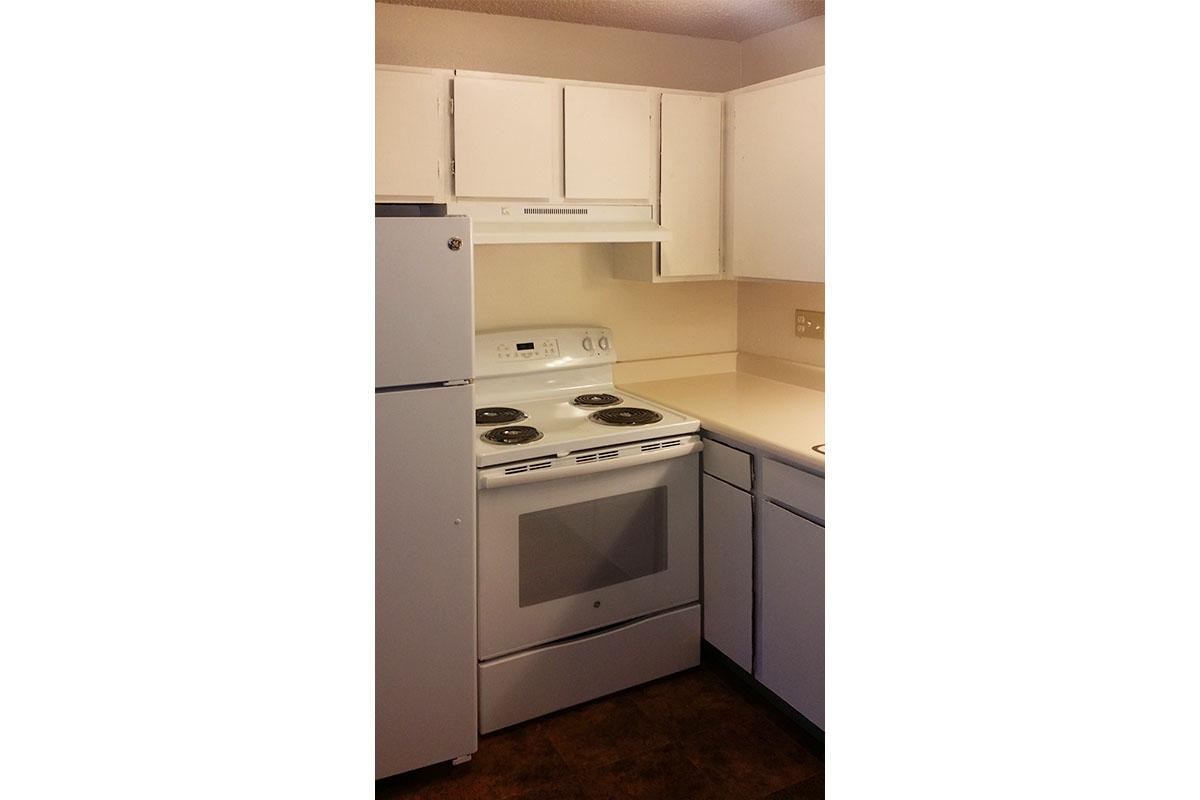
(810, 324)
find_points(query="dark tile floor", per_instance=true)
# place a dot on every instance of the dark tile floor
(697, 734)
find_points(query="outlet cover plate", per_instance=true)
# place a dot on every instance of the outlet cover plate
(810, 324)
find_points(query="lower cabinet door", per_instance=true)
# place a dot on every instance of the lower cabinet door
(728, 570)
(791, 655)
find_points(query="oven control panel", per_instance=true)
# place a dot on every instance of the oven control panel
(535, 349)
(528, 350)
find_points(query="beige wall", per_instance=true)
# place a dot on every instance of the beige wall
(431, 37)
(783, 51)
(537, 284)
(568, 284)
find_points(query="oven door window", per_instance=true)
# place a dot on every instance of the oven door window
(586, 546)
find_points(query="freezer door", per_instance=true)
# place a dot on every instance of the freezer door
(425, 662)
(424, 304)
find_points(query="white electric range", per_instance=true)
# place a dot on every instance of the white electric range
(588, 517)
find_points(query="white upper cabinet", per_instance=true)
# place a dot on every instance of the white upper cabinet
(691, 184)
(505, 138)
(410, 123)
(608, 143)
(775, 194)
(736, 181)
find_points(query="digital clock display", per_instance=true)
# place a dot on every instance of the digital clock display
(524, 345)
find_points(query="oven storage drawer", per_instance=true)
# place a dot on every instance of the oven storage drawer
(727, 463)
(793, 487)
(526, 685)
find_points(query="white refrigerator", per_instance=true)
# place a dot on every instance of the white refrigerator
(425, 641)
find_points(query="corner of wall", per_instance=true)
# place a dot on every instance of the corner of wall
(783, 51)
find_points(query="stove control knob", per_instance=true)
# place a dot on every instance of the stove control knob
(587, 343)
(603, 342)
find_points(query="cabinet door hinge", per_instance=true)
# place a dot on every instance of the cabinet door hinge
(452, 166)
(452, 106)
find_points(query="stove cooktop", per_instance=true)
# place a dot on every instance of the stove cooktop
(566, 425)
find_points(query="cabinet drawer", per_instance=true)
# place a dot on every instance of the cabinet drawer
(726, 463)
(801, 490)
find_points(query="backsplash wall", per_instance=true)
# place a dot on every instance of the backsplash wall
(766, 319)
(566, 284)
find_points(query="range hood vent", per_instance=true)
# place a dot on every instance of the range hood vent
(537, 223)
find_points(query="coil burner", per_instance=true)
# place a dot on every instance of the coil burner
(512, 434)
(601, 399)
(498, 415)
(625, 416)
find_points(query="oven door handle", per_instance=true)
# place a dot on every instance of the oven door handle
(495, 478)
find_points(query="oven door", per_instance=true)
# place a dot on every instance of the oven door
(563, 556)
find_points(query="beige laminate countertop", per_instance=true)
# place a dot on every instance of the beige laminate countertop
(777, 417)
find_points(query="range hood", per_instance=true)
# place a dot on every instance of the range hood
(558, 223)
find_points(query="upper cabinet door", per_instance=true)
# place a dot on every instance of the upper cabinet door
(775, 210)
(505, 138)
(608, 143)
(691, 184)
(409, 122)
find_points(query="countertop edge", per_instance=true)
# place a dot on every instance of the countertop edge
(812, 461)
(806, 459)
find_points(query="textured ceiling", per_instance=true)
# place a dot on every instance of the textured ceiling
(735, 20)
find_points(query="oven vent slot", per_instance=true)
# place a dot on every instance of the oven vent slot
(556, 211)
(588, 458)
(673, 443)
(646, 448)
(526, 468)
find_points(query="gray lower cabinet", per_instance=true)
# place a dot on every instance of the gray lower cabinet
(729, 570)
(764, 570)
(791, 656)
